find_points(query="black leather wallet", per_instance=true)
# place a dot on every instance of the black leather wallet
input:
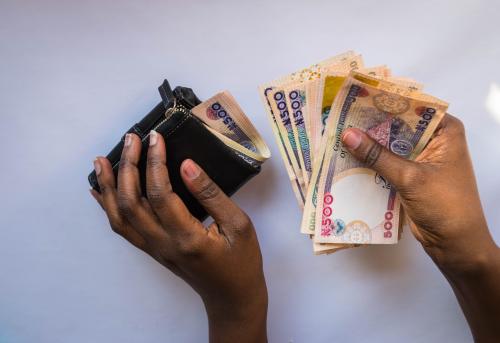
(186, 137)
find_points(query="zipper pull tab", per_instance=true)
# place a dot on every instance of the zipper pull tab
(167, 96)
(171, 109)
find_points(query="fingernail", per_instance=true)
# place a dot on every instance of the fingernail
(191, 170)
(128, 139)
(97, 167)
(153, 138)
(352, 139)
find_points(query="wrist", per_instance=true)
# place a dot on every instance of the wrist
(470, 257)
(241, 320)
(475, 284)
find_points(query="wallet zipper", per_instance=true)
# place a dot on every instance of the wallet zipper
(168, 113)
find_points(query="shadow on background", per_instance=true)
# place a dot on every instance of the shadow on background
(258, 192)
(385, 259)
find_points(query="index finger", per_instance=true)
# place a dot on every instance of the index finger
(167, 205)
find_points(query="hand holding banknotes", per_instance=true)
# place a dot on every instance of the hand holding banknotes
(222, 262)
(362, 149)
(438, 192)
(440, 198)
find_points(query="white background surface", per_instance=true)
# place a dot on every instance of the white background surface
(74, 75)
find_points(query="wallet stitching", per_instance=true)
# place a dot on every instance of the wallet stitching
(166, 136)
(178, 125)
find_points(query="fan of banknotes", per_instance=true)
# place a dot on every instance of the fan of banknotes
(344, 203)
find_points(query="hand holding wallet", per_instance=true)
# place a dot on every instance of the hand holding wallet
(216, 134)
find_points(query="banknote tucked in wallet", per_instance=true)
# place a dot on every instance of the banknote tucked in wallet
(216, 134)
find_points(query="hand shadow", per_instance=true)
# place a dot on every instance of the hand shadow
(256, 193)
(385, 259)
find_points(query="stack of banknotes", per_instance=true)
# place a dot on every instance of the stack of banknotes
(344, 203)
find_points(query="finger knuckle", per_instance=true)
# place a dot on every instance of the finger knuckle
(242, 225)
(125, 164)
(208, 191)
(114, 221)
(155, 162)
(142, 245)
(243, 220)
(104, 188)
(161, 250)
(155, 194)
(189, 247)
(411, 176)
(116, 225)
(159, 196)
(127, 205)
(118, 229)
(167, 262)
(372, 153)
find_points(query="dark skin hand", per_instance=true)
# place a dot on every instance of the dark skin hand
(440, 198)
(222, 262)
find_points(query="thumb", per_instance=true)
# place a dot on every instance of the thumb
(218, 205)
(392, 167)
